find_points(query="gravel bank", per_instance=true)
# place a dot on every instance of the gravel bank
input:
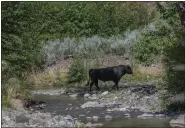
(14, 118)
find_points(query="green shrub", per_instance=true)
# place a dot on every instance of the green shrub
(155, 38)
(77, 71)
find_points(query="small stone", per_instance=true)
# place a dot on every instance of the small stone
(95, 118)
(89, 118)
(145, 115)
(93, 98)
(94, 95)
(127, 115)
(73, 95)
(108, 110)
(86, 95)
(160, 115)
(68, 117)
(104, 93)
(70, 108)
(88, 124)
(107, 117)
(69, 124)
(57, 118)
(147, 97)
(77, 108)
(122, 109)
(82, 115)
(116, 98)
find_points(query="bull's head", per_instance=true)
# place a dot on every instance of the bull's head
(128, 69)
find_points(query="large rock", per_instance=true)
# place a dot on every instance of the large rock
(92, 104)
(17, 104)
(62, 123)
(179, 122)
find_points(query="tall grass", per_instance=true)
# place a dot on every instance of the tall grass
(15, 88)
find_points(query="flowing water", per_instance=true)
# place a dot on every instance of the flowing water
(66, 105)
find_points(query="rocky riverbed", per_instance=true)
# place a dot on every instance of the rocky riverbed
(14, 118)
(138, 103)
(130, 96)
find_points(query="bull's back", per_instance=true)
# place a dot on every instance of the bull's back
(105, 74)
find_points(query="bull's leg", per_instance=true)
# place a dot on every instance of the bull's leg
(116, 84)
(96, 84)
(113, 86)
(91, 84)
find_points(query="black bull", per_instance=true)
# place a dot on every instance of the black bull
(108, 74)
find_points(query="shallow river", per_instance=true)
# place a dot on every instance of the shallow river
(66, 105)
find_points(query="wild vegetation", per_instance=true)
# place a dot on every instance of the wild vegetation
(36, 35)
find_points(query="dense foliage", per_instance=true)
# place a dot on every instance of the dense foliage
(35, 33)
(25, 25)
